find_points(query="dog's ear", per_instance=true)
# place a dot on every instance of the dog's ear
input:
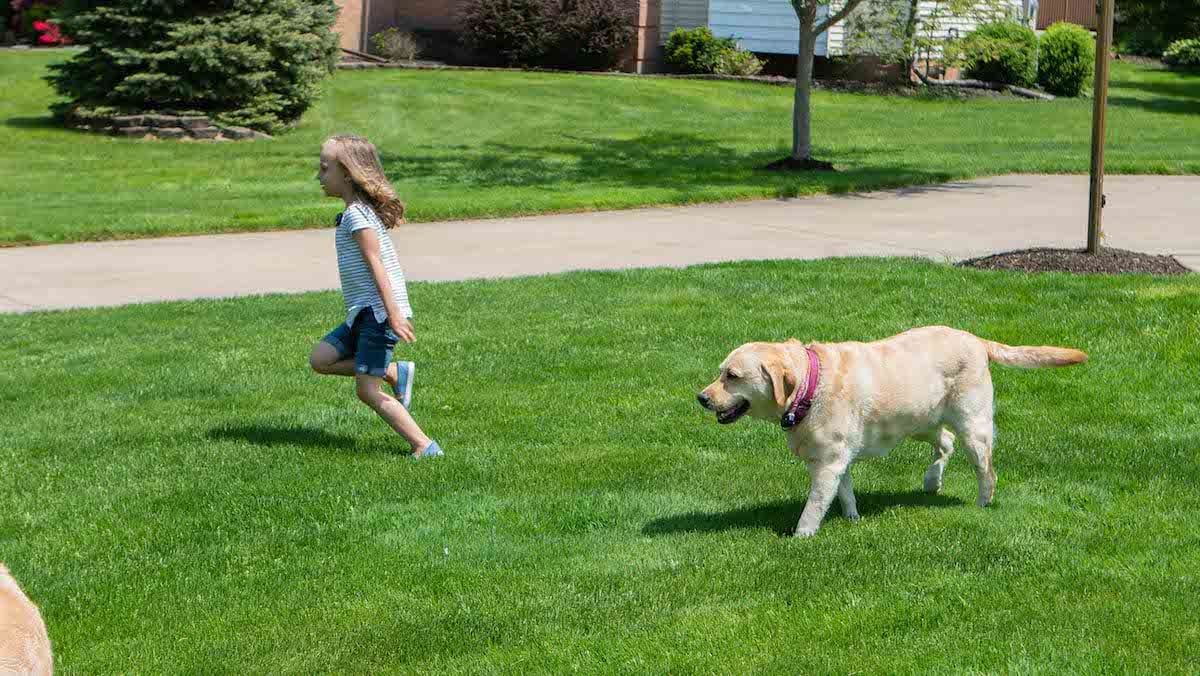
(783, 381)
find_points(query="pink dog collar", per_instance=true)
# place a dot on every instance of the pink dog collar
(804, 398)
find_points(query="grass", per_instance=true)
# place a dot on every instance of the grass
(183, 496)
(472, 144)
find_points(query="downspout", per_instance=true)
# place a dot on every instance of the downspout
(364, 24)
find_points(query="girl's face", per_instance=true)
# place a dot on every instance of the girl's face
(331, 175)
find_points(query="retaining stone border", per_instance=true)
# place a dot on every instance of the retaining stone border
(167, 127)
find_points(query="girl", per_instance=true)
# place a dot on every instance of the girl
(377, 310)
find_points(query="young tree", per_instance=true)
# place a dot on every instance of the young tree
(895, 29)
(810, 28)
(255, 63)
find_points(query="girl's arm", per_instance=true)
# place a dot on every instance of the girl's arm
(368, 243)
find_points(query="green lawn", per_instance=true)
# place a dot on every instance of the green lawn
(181, 495)
(476, 144)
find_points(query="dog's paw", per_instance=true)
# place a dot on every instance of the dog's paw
(853, 516)
(805, 532)
(933, 485)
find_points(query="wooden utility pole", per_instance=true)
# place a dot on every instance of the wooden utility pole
(1099, 106)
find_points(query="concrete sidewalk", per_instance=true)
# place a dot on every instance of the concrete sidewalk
(1154, 214)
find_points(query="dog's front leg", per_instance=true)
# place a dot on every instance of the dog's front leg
(826, 479)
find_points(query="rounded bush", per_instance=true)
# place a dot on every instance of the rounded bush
(1004, 52)
(696, 50)
(1066, 59)
(737, 62)
(575, 35)
(395, 45)
(507, 32)
(1183, 54)
(593, 34)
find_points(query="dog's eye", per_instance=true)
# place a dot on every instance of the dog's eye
(732, 375)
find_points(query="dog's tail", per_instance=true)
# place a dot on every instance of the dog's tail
(1027, 357)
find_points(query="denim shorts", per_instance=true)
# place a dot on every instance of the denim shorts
(368, 341)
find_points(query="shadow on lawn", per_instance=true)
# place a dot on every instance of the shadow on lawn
(781, 516)
(1159, 105)
(278, 435)
(43, 122)
(1186, 87)
(681, 161)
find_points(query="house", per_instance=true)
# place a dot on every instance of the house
(761, 26)
(771, 26)
(436, 21)
(1081, 12)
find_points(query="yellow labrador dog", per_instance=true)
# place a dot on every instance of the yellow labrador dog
(24, 645)
(843, 401)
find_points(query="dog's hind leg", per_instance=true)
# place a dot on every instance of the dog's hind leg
(846, 496)
(942, 441)
(973, 424)
(978, 444)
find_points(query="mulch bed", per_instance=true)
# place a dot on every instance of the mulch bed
(1077, 261)
(1141, 60)
(789, 164)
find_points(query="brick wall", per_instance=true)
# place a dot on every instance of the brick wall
(440, 17)
(349, 24)
(427, 14)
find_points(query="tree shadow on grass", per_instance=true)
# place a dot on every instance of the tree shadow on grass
(684, 162)
(279, 435)
(44, 122)
(781, 516)
(1186, 87)
(1161, 105)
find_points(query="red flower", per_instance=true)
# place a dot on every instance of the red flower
(51, 34)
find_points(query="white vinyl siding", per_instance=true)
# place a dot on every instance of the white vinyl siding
(963, 24)
(765, 26)
(683, 14)
(771, 26)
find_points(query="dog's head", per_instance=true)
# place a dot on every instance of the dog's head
(754, 380)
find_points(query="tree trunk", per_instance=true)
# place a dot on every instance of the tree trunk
(910, 39)
(801, 111)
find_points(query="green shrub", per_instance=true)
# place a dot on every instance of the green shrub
(1004, 52)
(395, 45)
(592, 34)
(507, 32)
(571, 34)
(696, 50)
(737, 62)
(256, 63)
(1066, 59)
(1183, 54)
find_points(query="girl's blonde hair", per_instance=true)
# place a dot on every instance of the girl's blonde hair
(360, 159)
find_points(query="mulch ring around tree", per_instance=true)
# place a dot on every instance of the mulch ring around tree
(791, 164)
(1079, 262)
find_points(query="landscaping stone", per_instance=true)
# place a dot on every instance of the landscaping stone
(131, 131)
(238, 133)
(194, 122)
(171, 132)
(128, 121)
(159, 121)
(204, 132)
